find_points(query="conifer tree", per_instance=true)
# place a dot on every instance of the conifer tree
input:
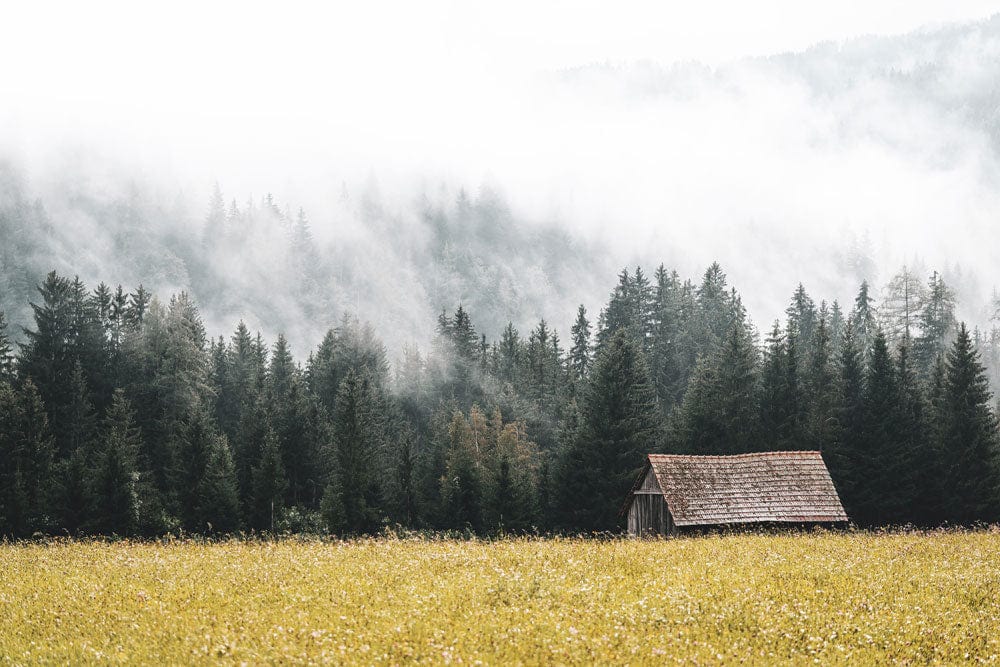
(138, 303)
(349, 347)
(620, 312)
(933, 505)
(119, 308)
(72, 501)
(540, 361)
(643, 305)
(80, 413)
(296, 424)
(509, 503)
(579, 353)
(510, 354)
(116, 502)
(847, 458)
(736, 392)
(720, 412)
(546, 508)
(837, 323)
(773, 398)
(101, 302)
(663, 358)
(919, 473)
(282, 371)
(694, 427)
(406, 509)
(937, 324)
(619, 426)
(462, 484)
(463, 335)
(204, 478)
(357, 434)
(38, 450)
(714, 309)
(689, 338)
(821, 427)
(864, 319)
(332, 505)
(886, 471)
(47, 355)
(269, 485)
(219, 497)
(247, 447)
(802, 317)
(969, 433)
(901, 307)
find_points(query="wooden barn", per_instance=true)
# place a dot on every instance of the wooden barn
(675, 491)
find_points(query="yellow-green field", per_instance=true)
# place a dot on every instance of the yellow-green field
(804, 598)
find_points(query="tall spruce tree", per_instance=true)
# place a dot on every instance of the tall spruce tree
(115, 497)
(204, 478)
(864, 319)
(663, 357)
(737, 376)
(72, 501)
(579, 353)
(219, 496)
(837, 323)
(620, 312)
(886, 470)
(969, 436)
(720, 413)
(405, 505)
(269, 485)
(776, 399)
(937, 469)
(821, 420)
(357, 434)
(918, 472)
(619, 426)
(47, 356)
(802, 317)
(37, 449)
(71, 498)
(714, 310)
(848, 457)
(937, 324)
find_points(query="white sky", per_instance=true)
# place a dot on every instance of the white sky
(218, 75)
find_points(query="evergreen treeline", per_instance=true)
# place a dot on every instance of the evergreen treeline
(119, 415)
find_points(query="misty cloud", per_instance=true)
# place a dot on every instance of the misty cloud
(825, 166)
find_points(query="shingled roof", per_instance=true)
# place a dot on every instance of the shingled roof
(746, 488)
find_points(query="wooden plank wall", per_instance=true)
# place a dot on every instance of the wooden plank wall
(649, 482)
(648, 515)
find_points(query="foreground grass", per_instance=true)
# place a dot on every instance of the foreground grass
(804, 598)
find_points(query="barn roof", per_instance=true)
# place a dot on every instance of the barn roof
(747, 488)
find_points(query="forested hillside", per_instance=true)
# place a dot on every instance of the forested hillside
(122, 414)
(279, 269)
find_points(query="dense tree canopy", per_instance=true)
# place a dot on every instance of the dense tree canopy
(119, 415)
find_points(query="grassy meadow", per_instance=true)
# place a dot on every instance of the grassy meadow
(790, 598)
